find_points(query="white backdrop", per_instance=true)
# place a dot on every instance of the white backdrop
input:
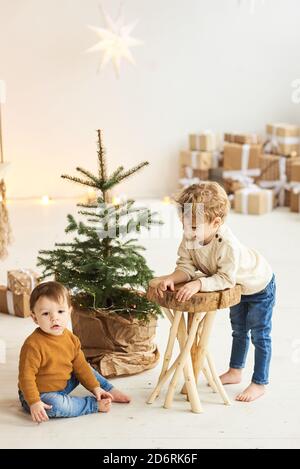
(204, 64)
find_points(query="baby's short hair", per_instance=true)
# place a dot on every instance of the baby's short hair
(52, 290)
(212, 197)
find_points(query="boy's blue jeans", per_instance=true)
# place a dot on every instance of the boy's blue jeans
(64, 405)
(253, 314)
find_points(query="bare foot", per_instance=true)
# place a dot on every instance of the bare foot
(104, 405)
(119, 396)
(252, 392)
(232, 376)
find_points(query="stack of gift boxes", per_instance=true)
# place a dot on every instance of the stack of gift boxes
(257, 176)
(196, 162)
(14, 298)
(280, 164)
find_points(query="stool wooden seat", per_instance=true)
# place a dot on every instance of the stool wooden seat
(191, 324)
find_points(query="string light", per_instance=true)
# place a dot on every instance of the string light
(45, 200)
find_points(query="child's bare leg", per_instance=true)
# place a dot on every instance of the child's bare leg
(119, 396)
(252, 392)
(232, 376)
(104, 405)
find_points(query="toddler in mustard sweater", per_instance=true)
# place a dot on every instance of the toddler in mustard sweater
(52, 363)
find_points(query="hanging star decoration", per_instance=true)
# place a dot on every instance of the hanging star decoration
(115, 41)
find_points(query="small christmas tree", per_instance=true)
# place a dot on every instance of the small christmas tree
(103, 266)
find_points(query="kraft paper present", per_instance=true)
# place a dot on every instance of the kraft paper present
(188, 172)
(242, 138)
(22, 281)
(196, 159)
(289, 163)
(285, 138)
(253, 201)
(295, 202)
(15, 305)
(205, 141)
(294, 196)
(295, 172)
(273, 167)
(244, 158)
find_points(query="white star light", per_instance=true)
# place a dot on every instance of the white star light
(115, 41)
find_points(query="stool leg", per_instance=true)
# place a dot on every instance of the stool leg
(217, 380)
(185, 358)
(188, 370)
(171, 341)
(194, 350)
(209, 378)
(168, 354)
(203, 342)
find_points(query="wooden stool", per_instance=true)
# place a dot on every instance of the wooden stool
(193, 334)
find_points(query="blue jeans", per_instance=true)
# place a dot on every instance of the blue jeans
(64, 405)
(254, 314)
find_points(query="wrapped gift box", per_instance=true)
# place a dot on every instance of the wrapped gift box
(188, 172)
(289, 163)
(285, 138)
(197, 159)
(273, 167)
(295, 201)
(244, 158)
(254, 201)
(205, 141)
(295, 172)
(15, 305)
(242, 138)
(22, 281)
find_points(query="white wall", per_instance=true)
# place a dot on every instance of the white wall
(204, 64)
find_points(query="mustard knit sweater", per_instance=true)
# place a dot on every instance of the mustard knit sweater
(47, 362)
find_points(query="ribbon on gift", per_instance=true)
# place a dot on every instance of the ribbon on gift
(194, 159)
(236, 173)
(280, 140)
(277, 140)
(294, 187)
(239, 177)
(215, 159)
(10, 303)
(244, 196)
(245, 157)
(189, 172)
(251, 189)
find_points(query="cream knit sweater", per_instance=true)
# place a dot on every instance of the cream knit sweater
(223, 263)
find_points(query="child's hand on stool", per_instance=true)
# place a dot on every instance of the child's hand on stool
(188, 290)
(161, 284)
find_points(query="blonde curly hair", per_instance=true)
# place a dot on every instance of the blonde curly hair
(207, 198)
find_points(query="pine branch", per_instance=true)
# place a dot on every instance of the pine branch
(88, 174)
(80, 181)
(101, 157)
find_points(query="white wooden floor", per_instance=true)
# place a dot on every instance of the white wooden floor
(271, 422)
